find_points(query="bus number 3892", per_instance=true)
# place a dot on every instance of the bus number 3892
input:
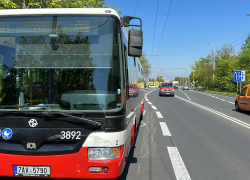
(70, 134)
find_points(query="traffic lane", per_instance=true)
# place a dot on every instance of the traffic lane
(177, 92)
(219, 105)
(212, 147)
(145, 160)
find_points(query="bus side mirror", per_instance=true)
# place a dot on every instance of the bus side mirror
(135, 37)
(238, 93)
(135, 40)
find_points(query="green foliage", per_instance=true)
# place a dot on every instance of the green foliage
(26, 4)
(182, 80)
(225, 66)
(127, 29)
(160, 79)
(152, 79)
(244, 59)
(226, 63)
(145, 65)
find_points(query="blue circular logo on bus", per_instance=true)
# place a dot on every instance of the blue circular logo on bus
(7, 133)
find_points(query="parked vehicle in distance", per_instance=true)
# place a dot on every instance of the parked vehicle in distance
(242, 100)
(185, 87)
(133, 90)
(152, 86)
(176, 84)
(166, 88)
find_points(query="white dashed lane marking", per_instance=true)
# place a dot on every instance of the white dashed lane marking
(180, 169)
(164, 128)
(149, 103)
(154, 107)
(158, 113)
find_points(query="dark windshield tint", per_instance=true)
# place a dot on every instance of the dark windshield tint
(71, 62)
(167, 85)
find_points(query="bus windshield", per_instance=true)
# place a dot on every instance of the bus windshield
(64, 62)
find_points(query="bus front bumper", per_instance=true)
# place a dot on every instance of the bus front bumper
(66, 166)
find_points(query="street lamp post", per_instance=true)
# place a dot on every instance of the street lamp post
(213, 64)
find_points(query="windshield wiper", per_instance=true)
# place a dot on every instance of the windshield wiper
(21, 106)
(95, 123)
(49, 113)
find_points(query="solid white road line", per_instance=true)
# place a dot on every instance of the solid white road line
(165, 129)
(154, 107)
(218, 113)
(186, 95)
(180, 169)
(158, 113)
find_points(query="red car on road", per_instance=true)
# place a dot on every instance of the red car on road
(166, 88)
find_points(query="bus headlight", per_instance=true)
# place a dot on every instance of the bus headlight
(103, 153)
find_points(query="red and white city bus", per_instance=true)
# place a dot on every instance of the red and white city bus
(64, 92)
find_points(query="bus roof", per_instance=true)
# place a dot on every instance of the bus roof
(61, 11)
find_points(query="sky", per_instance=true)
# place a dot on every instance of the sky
(190, 26)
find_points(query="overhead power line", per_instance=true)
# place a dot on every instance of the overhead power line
(164, 26)
(241, 38)
(239, 43)
(136, 9)
(155, 26)
(154, 61)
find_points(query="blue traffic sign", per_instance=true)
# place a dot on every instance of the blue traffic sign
(237, 75)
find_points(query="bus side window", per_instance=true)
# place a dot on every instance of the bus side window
(126, 70)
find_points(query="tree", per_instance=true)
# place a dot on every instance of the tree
(244, 59)
(152, 79)
(26, 4)
(226, 62)
(145, 65)
(160, 79)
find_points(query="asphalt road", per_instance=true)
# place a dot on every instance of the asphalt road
(194, 136)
